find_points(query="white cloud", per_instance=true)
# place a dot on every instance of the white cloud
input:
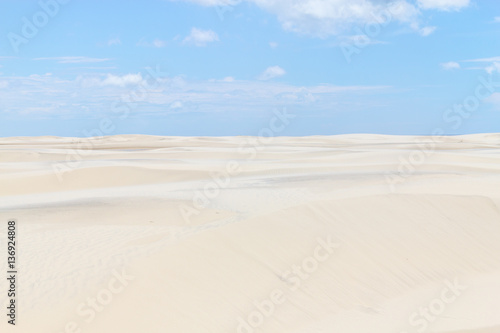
(199, 37)
(110, 80)
(176, 105)
(4, 84)
(228, 79)
(497, 19)
(492, 59)
(450, 65)
(322, 18)
(273, 45)
(158, 43)
(445, 5)
(271, 73)
(121, 81)
(49, 95)
(492, 66)
(114, 41)
(74, 60)
(426, 31)
(494, 99)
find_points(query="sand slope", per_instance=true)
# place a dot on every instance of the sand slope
(349, 233)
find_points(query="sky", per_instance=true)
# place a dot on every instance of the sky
(83, 68)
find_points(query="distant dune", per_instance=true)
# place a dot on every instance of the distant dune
(348, 234)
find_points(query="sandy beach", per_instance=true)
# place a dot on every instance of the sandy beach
(347, 234)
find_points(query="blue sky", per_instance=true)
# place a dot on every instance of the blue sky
(224, 67)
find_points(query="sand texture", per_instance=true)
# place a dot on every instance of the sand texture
(322, 234)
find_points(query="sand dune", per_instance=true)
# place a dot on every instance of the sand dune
(349, 233)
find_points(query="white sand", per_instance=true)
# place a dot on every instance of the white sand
(398, 247)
